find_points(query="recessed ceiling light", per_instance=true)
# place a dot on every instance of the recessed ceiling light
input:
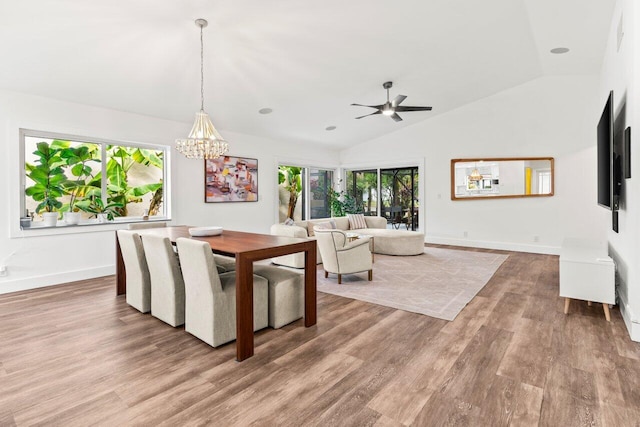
(265, 111)
(330, 128)
(559, 50)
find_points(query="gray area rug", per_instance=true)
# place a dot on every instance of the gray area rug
(439, 283)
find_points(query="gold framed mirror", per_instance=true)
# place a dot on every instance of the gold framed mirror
(492, 178)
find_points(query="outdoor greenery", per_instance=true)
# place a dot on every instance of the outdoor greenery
(67, 177)
(291, 178)
(48, 177)
(342, 203)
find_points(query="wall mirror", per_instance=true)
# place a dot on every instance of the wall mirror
(501, 178)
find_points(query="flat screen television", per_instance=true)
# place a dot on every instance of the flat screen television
(605, 155)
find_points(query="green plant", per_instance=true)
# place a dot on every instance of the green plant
(48, 177)
(291, 177)
(342, 203)
(120, 161)
(96, 206)
(83, 184)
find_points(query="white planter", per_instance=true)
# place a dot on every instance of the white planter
(50, 219)
(72, 217)
(102, 218)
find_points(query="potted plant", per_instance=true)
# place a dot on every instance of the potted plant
(78, 188)
(96, 206)
(48, 177)
(342, 203)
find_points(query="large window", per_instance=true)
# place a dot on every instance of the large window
(391, 193)
(94, 180)
(303, 192)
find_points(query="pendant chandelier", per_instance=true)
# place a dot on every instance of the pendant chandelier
(475, 175)
(204, 141)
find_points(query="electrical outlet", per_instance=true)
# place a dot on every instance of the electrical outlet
(465, 234)
(3, 270)
(536, 238)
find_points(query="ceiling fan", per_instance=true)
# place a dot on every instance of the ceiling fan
(391, 108)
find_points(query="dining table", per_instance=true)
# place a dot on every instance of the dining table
(246, 248)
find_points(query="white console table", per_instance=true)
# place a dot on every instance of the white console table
(587, 273)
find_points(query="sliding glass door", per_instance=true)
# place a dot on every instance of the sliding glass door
(363, 187)
(391, 193)
(303, 192)
(400, 202)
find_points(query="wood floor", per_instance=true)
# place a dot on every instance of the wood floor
(78, 355)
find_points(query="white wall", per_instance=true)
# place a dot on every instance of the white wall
(46, 260)
(618, 75)
(549, 116)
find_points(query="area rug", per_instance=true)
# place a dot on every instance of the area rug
(439, 283)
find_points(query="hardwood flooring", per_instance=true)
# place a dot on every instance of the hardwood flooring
(78, 355)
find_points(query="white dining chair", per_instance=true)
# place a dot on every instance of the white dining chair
(167, 285)
(143, 225)
(210, 298)
(137, 271)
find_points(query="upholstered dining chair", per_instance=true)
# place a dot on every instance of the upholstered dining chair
(141, 225)
(210, 298)
(340, 256)
(135, 263)
(167, 285)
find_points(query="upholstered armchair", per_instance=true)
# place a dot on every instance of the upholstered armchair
(210, 298)
(135, 263)
(340, 256)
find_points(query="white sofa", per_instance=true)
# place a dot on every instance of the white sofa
(387, 242)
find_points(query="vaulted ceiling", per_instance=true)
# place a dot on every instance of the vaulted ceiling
(308, 61)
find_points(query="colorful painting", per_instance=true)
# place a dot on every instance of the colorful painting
(231, 179)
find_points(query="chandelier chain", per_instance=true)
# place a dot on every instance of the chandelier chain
(201, 70)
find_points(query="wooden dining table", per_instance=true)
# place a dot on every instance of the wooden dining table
(246, 248)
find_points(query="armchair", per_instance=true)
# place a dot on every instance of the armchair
(342, 257)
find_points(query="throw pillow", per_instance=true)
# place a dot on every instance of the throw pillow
(323, 225)
(289, 221)
(356, 221)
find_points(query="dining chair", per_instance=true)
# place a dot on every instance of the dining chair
(286, 294)
(141, 225)
(340, 256)
(210, 298)
(135, 263)
(167, 285)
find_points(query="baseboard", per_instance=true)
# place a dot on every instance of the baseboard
(630, 321)
(27, 283)
(505, 246)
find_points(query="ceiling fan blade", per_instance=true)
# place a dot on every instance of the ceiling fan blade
(397, 100)
(401, 108)
(396, 117)
(370, 106)
(372, 114)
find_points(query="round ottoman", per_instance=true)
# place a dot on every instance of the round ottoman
(395, 242)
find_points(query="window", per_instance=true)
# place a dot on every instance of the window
(93, 179)
(303, 192)
(396, 198)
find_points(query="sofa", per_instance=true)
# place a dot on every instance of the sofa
(386, 242)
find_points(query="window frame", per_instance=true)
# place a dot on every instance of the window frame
(307, 165)
(23, 133)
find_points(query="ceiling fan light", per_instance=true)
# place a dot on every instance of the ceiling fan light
(388, 110)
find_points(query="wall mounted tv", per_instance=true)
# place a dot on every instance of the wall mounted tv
(605, 156)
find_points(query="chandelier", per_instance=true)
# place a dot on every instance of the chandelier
(204, 141)
(475, 175)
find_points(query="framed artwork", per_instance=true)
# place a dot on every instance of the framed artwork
(230, 179)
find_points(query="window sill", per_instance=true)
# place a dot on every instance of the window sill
(87, 226)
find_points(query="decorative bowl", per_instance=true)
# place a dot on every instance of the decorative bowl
(205, 231)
